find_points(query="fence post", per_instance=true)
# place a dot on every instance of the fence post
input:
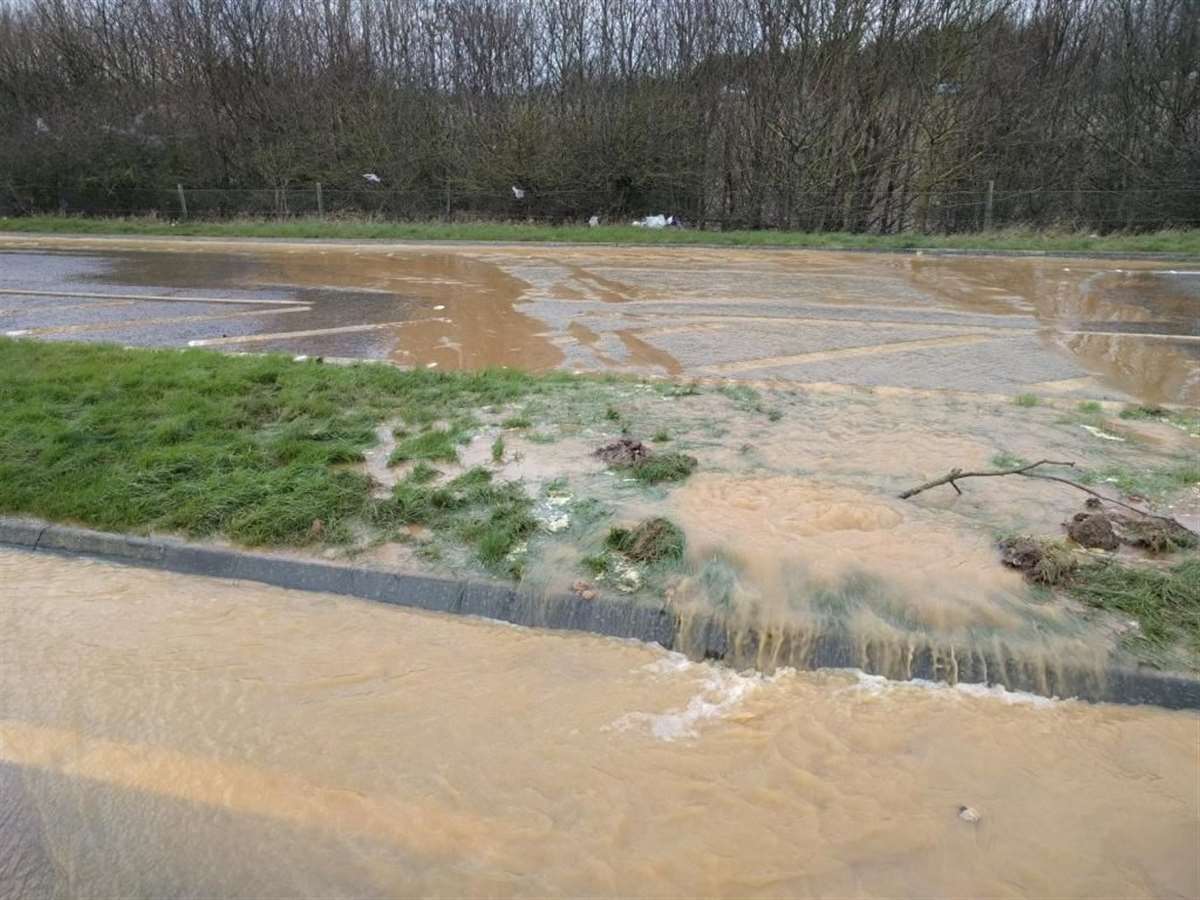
(182, 201)
(987, 205)
(320, 203)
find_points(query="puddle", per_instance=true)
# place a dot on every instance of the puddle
(1086, 328)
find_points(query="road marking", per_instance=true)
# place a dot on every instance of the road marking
(774, 362)
(814, 320)
(316, 332)
(86, 327)
(1149, 335)
(158, 298)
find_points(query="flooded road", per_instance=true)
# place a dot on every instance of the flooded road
(169, 736)
(1071, 327)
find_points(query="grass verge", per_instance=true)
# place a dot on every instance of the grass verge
(1186, 242)
(202, 443)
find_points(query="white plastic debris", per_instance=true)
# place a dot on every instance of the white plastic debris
(1100, 433)
(431, 365)
(438, 308)
(654, 222)
(558, 523)
(594, 222)
(371, 178)
(968, 814)
(518, 193)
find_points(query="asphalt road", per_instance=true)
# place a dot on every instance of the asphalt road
(1079, 328)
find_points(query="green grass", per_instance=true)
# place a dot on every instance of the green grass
(661, 436)
(1027, 400)
(251, 447)
(664, 467)
(1006, 460)
(1144, 412)
(655, 540)
(437, 444)
(517, 422)
(1187, 420)
(1179, 242)
(1165, 603)
(1090, 408)
(1153, 484)
(498, 450)
(493, 518)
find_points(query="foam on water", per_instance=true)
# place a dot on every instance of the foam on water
(877, 686)
(720, 693)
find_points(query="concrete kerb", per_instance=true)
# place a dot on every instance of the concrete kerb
(704, 638)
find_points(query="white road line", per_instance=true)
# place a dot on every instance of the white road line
(86, 327)
(1148, 335)
(316, 332)
(22, 292)
(773, 362)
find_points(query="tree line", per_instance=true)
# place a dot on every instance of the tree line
(857, 115)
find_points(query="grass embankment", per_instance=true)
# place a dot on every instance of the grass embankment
(253, 448)
(1176, 242)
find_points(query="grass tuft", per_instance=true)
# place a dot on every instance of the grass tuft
(664, 467)
(1165, 603)
(655, 540)
(1006, 460)
(1027, 400)
(437, 444)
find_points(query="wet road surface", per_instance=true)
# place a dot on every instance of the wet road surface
(1086, 328)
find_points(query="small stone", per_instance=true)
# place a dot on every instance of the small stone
(968, 814)
(316, 529)
(588, 595)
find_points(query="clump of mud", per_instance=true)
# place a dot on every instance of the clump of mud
(651, 541)
(623, 452)
(1041, 561)
(1102, 529)
(644, 463)
(1093, 530)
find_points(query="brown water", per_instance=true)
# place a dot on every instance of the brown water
(170, 736)
(981, 324)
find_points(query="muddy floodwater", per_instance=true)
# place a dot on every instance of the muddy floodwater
(1071, 327)
(165, 736)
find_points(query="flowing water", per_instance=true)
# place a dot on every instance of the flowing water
(168, 736)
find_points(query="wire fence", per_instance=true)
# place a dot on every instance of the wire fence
(934, 211)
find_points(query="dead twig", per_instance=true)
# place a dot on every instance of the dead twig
(956, 474)
(1026, 472)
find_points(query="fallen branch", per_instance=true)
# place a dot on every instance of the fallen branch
(1026, 472)
(956, 474)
